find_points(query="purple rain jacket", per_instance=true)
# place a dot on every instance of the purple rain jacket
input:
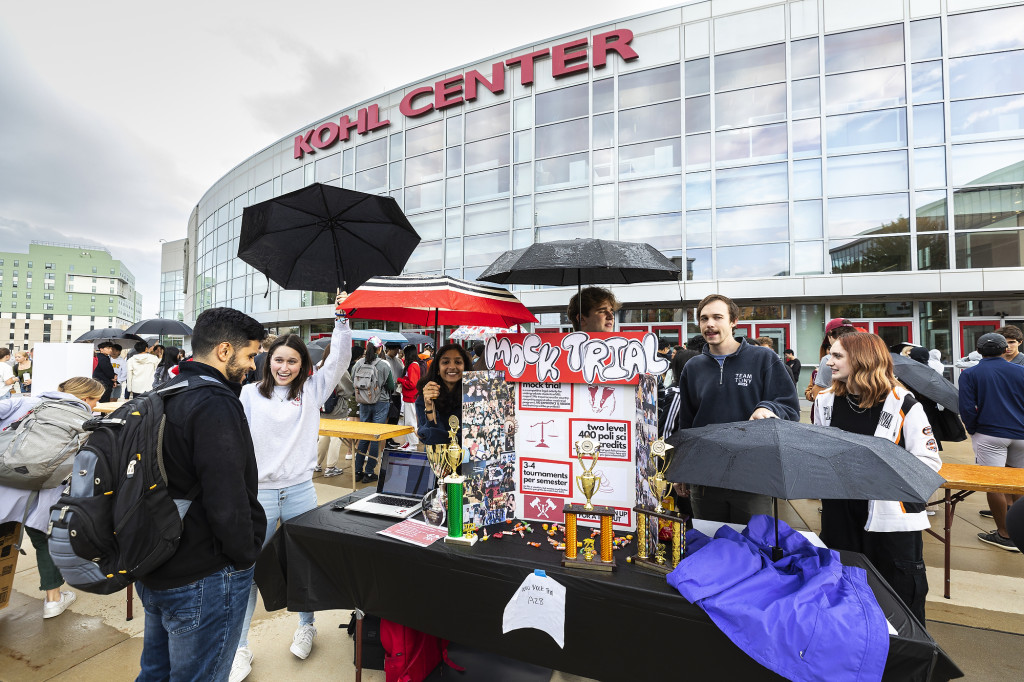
(790, 616)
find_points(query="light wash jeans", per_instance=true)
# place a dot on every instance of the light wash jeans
(191, 631)
(378, 414)
(279, 505)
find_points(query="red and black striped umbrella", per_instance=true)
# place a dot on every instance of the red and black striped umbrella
(426, 301)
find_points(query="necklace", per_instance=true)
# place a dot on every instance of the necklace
(854, 405)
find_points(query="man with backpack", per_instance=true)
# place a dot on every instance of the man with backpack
(195, 602)
(374, 383)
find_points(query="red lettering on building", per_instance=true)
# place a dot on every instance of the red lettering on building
(525, 63)
(302, 144)
(562, 58)
(406, 106)
(566, 59)
(496, 84)
(448, 92)
(613, 41)
(319, 141)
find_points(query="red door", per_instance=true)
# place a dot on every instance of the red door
(673, 334)
(970, 330)
(778, 332)
(895, 332)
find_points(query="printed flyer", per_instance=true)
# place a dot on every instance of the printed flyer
(488, 437)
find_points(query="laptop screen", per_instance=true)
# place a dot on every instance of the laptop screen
(407, 474)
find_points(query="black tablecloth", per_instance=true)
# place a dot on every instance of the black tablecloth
(626, 625)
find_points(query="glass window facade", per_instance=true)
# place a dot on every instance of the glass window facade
(893, 148)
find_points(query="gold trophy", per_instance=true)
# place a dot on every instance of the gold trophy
(451, 455)
(662, 562)
(588, 484)
(434, 502)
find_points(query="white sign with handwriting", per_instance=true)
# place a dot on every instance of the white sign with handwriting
(538, 603)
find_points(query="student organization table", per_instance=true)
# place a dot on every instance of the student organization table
(626, 625)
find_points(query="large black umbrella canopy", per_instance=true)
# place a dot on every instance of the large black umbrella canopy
(111, 334)
(581, 261)
(322, 238)
(925, 381)
(795, 461)
(161, 327)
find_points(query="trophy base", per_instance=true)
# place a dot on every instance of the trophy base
(580, 510)
(593, 565)
(648, 566)
(465, 540)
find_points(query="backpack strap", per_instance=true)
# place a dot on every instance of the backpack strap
(33, 497)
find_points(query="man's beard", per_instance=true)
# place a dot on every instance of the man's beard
(235, 371)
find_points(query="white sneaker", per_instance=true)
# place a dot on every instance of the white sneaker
(302, 642)
(406, 446)
(318, 468)
(242, 665)
(332, 471)
(52, 609)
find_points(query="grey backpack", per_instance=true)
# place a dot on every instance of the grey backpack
(38, 450)
(366, 382)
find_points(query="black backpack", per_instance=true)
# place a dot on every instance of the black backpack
(116, 521)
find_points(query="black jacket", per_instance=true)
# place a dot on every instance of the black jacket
(104, 372)
(207, 440)
(750, 378)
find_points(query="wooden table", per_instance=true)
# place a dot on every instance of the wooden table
(966, 479)
(356, 431)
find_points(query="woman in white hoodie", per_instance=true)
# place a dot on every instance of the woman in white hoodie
(141, 370)
(283, 411)
(865, 399)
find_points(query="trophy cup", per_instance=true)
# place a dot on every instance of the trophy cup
(588, 484)
(453, 484)
(659, 563)
(434, 503)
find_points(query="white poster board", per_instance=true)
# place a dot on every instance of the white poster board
(53, 363)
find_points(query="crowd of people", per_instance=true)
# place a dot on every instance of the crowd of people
(262, 422)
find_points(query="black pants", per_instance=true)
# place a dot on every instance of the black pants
(898, 556)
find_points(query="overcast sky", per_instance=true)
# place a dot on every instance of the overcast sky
(116, 117)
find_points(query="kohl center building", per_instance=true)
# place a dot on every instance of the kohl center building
(810, 159)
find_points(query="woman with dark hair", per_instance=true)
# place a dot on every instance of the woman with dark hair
(865, 398)
(440, 394)
(283, 411)
(163, 369)
(409, 379)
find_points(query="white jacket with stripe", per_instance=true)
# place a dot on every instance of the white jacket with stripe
(886, 516)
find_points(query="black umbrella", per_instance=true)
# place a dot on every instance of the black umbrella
(416, 338)
(793, 461)
(322, 238)
(925, 381)
(161, 327)
(111, 334)
(581, 261)
(316, 353)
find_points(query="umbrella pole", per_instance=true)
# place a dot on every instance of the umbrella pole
(437, 333)
(776, 550)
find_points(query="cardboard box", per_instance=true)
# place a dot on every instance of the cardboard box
(8, 560)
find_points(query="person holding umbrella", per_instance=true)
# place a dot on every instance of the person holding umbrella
(283, 413)
(593, 310)
(865, 398)
(441, 394)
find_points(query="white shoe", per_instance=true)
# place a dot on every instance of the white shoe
(302, 642)
(52, 609)
(242, 665)
(318, 468)
(406, 446)
(332, 471)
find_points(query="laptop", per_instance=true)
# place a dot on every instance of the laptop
(405, 477)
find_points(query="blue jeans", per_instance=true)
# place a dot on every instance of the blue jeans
(280, 505)
(378, 414)
(191, 630)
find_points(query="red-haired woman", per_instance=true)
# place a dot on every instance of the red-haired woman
(865, 398)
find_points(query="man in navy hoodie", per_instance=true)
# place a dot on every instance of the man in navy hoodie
(992, 408)
(731, 381)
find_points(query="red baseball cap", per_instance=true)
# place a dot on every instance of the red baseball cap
(837, 322)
